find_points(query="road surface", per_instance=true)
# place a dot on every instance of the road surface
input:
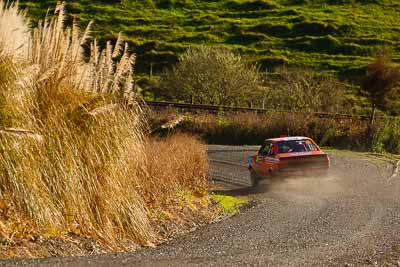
(351, 218)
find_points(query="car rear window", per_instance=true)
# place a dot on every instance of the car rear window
(294, 146)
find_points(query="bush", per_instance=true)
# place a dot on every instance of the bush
(210, 76)
(327, 44)
(387, 138)
(172, 3)
(180, 162)
(342, 2)
(272, 29)
(380, 84)
(246, 38)
(303, 90)
(314, 28)
(250, 5)
(270, 63)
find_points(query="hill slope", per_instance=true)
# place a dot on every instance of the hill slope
(328, 35)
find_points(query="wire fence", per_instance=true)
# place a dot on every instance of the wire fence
(229, 163)
(214, 109)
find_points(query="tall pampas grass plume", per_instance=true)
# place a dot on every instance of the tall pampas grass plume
(69, 162)
(74, 156)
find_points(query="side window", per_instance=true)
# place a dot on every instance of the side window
(310, 146)
(271, 152)
(261, 152)
(266, 149)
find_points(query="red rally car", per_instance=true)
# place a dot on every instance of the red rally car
(287, 156)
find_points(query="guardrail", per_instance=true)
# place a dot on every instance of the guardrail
(213, 108)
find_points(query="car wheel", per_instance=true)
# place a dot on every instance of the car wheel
(325, 174)
(253, 178)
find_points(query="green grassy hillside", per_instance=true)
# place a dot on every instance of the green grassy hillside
(329, 35)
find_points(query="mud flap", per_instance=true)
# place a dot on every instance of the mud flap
(254, 179)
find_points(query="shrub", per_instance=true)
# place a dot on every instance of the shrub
(178, 162)
(386, 138)
(211, 76)
(315, 28)
(173, 3)
(272, 29)
(304, 90)
(246, 38)
(328, 44)
(270, 63)
(342, 2)
(381, 83)
(251, 5)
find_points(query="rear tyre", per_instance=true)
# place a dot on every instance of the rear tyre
(325, 174)
(254, 180)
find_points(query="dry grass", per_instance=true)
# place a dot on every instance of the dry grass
(14, 39)
(178, 163)
(177, 191)
(252, 129)
(90, 173)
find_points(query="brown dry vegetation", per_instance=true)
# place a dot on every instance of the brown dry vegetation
(252, 129)
(74, 159)
(176, 171)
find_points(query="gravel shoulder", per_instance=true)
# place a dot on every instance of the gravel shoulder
(350, 218)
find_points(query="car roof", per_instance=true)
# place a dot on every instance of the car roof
(288, 138)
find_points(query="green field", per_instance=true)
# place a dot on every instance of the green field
(338, 36)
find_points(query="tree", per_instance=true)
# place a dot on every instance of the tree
(381, 83)
(211, 76)
(305, 90)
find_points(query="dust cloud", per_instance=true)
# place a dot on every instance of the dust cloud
(307, 186)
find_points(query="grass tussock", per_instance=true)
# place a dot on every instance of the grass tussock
(230, 205)
(177, 171)
(74, 158)
(176, 192)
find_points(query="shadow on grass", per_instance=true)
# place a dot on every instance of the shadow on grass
(243, 191)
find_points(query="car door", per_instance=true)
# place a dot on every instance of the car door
(263, 160)
(271, 160)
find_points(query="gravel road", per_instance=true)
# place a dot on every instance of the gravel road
(350, 218)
